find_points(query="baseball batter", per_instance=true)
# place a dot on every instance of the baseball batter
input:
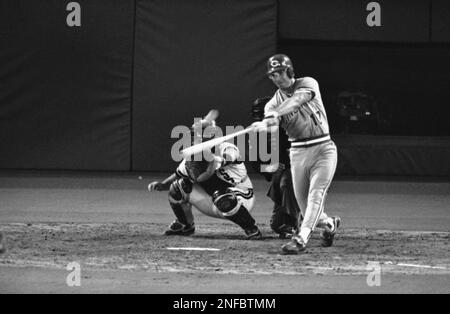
(297, 107)
(285, 215)
(217, 186)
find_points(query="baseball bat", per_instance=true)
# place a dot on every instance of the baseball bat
(212, 115)
(195, 149)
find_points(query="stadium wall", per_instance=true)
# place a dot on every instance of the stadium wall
(99, 84)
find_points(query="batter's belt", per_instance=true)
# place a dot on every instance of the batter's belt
(312, 141)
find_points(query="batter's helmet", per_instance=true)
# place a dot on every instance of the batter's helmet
(280, 62)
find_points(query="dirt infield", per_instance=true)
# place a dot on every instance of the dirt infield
(113, 228)
(220, 248)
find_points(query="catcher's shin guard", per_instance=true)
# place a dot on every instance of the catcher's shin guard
(178, 200)
(183, 212)
(242, 218)
(233, 210)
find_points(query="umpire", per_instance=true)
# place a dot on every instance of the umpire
(285, 214)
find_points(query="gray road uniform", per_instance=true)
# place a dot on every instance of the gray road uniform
(313, 154)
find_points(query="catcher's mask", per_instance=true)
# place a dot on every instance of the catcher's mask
(279, 63)
(203, 130)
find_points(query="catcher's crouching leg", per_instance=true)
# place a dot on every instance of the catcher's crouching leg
(179, 202)
(232, 209)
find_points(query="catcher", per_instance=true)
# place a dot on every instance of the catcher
(218, 188)
(285, 214)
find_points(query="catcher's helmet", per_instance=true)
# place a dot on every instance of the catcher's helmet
(280, 62)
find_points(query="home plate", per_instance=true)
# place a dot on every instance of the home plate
(192, 249)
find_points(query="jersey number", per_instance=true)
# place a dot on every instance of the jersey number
(226, 176)
(316, 118)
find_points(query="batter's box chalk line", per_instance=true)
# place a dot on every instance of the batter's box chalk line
(415, 265)
(192, 249)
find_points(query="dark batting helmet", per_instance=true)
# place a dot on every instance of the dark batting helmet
(280, 62)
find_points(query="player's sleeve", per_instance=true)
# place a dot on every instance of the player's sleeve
(271, 105)
(310, 85)
(181, 171)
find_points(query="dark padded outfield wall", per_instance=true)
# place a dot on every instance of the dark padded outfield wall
(191, 56)
(410, 82)
(400, 20)
(440, 22)
(393, 155)
(65, 90)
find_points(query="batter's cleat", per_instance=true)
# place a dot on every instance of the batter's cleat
(330, 231)
(177, 228)
(295, 246)
(253, 234)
